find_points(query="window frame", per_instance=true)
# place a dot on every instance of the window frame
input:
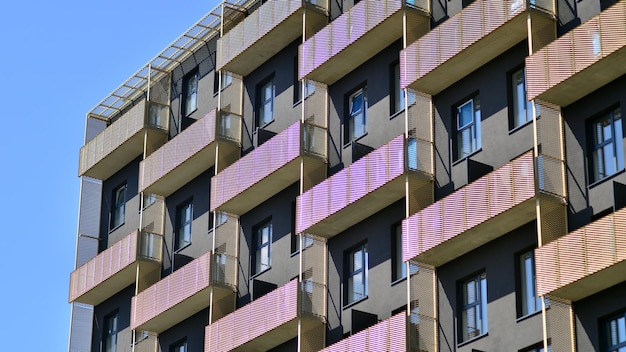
(514, 99)
(616, 144)
(474, 126)
(259, 106)
(227, 80)
(396, 94)
(349, 127)
(181, 243)
(118, 209)
(396, 256)
(176, 346)
(605, 332)
(479, 305)
(190, 92)
(525, 288)
(259, 245)
(110, 332)
(350, 273)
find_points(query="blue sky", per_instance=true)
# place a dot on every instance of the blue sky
(59, 59)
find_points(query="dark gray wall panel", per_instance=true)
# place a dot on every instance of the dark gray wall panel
(80, 327)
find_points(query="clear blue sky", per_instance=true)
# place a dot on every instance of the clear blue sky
(58, 60)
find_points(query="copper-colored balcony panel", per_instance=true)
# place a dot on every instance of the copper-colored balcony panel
(266, 32)
(190, 153)
(473, 215)
(268, 169)
(262, 324)
(585, 261)
(114, 268)
(176, 297)
(581, 61)
(367, 186)
(388, 335)
(120, 143)
(476, 35)
(356, 36)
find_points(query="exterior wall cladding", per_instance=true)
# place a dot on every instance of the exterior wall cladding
(374, 175)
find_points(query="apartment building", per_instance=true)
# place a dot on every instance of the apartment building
(374, 175)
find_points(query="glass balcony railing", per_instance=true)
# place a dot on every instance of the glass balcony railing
(581, 61)
(190, 153)
(114, 269)
(123, 140)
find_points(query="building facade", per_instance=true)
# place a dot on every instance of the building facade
(374, 175)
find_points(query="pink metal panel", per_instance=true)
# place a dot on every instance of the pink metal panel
(599, 244)
(427, 54)
(495, 14)
(536, 73)
(357, 22)
(320, 46)
(410, 244)
(571, 249)
(587, 37)
(357, 180)
(471, 26)
(560, 54)
(431, 227)
(620, 235)
(449, 38)
(339, 29)
(454, 213)
(304, 211)
(546, 267)
(377, 166)
(515, 7)
(396, 157)
(172, 290)
(388, 335)
(613, 28)
(321, 199)
(477, 196)
(339, 185)
(376, 13)
(500, 190)
(523, 178)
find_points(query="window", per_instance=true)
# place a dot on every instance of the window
(472, 318)
(615, 333)
(184, 216)
(357, 268)
(357, 120)
(522, 109)
(607, 149)
(398, 268)
(265, 102)
(118, 208)
(397, 95)
(262, 244)
(109, 339)
(538, 348)
(468, 138)
(190, 93)
(227, 79)
(530, 303)
(180, 346)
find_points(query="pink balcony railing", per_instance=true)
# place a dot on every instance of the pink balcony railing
(113, 269)
(266, 31)
(584, 261)
(355, 36)
(188, 154)
(580, 61)
(356, 192)
(388, 335)
(476, 35)
(469, 217)
(268, 169)
(122, 141)
(262, 324)
(175, 298)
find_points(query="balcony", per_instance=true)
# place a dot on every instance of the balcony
(269, 169)
(584, 261)
(471, 38)
(388, 335)
(268, 321)
(473, 215)
(357, 35)
(190, 153)
(580, 61)
(267, 31)
(114, 269)
(181, 294)
(123, 140)
(367, 186)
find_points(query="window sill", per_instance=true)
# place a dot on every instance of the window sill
(260, 273)
(607, 178)
(397, 281)
(456, 162)
(354, 140)
(473, 339)
(520, 127)
(116, 227)
(354, 303)
(395, 114)
(528, 316)
(178, 250)
(188, 114)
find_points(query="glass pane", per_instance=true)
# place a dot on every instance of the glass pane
(357, 261)
(483, 305)
(465, 114)
(619, 141)
(356, 103)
